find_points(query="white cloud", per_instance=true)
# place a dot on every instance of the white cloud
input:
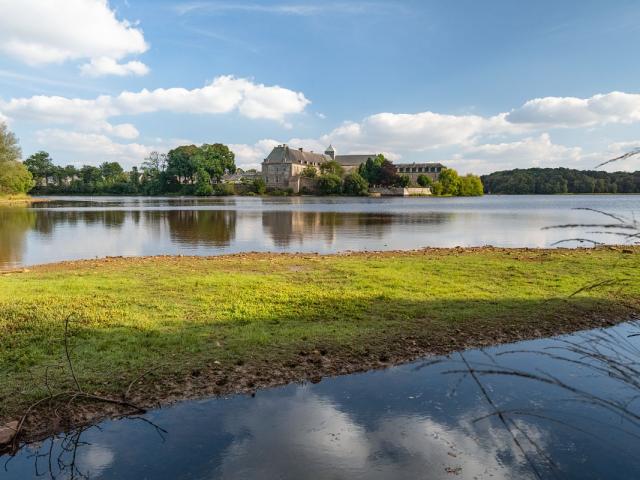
(81, 148)
(108, 66)
(67, 30)
(571, 112)
(225, 94)
(528, 152)
(251, 156)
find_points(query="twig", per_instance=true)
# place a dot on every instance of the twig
(66, 349)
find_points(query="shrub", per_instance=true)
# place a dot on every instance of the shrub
(259, 186)
(224, 189)
(330, 184)
(424, 181)
(355, 184)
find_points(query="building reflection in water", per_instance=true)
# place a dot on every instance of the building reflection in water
(289, 227)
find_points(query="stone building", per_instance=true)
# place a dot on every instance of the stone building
(414, 170)
(284, 165)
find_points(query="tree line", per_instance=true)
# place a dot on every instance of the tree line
(197, 170)
(560, 180)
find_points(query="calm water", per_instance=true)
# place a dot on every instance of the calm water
(428, 419)
(82, 227)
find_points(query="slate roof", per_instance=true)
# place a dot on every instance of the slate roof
(353, 160)
(283, 153)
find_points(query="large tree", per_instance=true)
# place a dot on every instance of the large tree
(217, 160)
(14, 176)
(41, 167)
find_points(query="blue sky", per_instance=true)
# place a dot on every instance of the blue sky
(478, 85)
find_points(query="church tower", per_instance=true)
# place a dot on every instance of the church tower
(331, 152)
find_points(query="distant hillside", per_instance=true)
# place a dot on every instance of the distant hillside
(560, 180)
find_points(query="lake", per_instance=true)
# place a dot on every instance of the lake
(565, 407)
(69, 228)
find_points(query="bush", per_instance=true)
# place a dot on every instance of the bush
(224, 189)
(203, 186)
(424, 181)
(259, 186)
(471, 186)
(309, 172)
(403, 181)
(330, 184)
(354, 184)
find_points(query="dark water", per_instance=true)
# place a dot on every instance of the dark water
(83, 227)
(431, 419)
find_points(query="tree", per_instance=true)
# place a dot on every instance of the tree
(203, 183)
(332, 167)
(309, 171)
(449, 182)
(424, 180)
(355, 184)
(111, 172)
(182, 164)
(216, 159)
(14, 176)
(471, 186)
(41, 167)
(330, 184)
(370, 170)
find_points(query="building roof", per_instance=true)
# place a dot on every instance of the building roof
(285, 154)
(427, 164)
(354, 160)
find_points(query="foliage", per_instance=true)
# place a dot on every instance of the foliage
(203, 183)
(471, 186)
(424, 180)
(223, 189)
(560, 180)
(14, 176)
(259, 186)
(329, 184)
(403, 181)
(355, 184)
(131, 315)
(448, 183)
(379, 171)
(309, 171)
(183, 170)
(331, 167)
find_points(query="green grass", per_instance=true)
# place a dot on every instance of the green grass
(129, 315)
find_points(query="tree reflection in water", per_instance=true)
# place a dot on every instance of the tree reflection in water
(202, 227)
(15, 222)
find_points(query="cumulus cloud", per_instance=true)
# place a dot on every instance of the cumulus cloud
(225, 94)
(251, 156)
(537, 151)
(108, 66)
(93, 148)
(71, 30)
(568, 112)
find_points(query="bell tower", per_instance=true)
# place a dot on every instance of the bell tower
(331, 152)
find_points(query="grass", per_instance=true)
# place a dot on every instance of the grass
(186, 315)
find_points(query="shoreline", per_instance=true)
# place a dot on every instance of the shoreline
(317, 344)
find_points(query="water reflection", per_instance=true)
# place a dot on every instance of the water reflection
(14, 225)
(76, 228)
(556, 408)
(201, 227)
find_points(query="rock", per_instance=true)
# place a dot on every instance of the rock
(7, 432)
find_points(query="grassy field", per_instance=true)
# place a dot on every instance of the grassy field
(214, 325)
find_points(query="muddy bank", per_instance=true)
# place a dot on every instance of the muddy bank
(310, 365)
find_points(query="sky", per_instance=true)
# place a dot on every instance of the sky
(477, 85)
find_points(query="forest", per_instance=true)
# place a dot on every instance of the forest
(560, 180)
